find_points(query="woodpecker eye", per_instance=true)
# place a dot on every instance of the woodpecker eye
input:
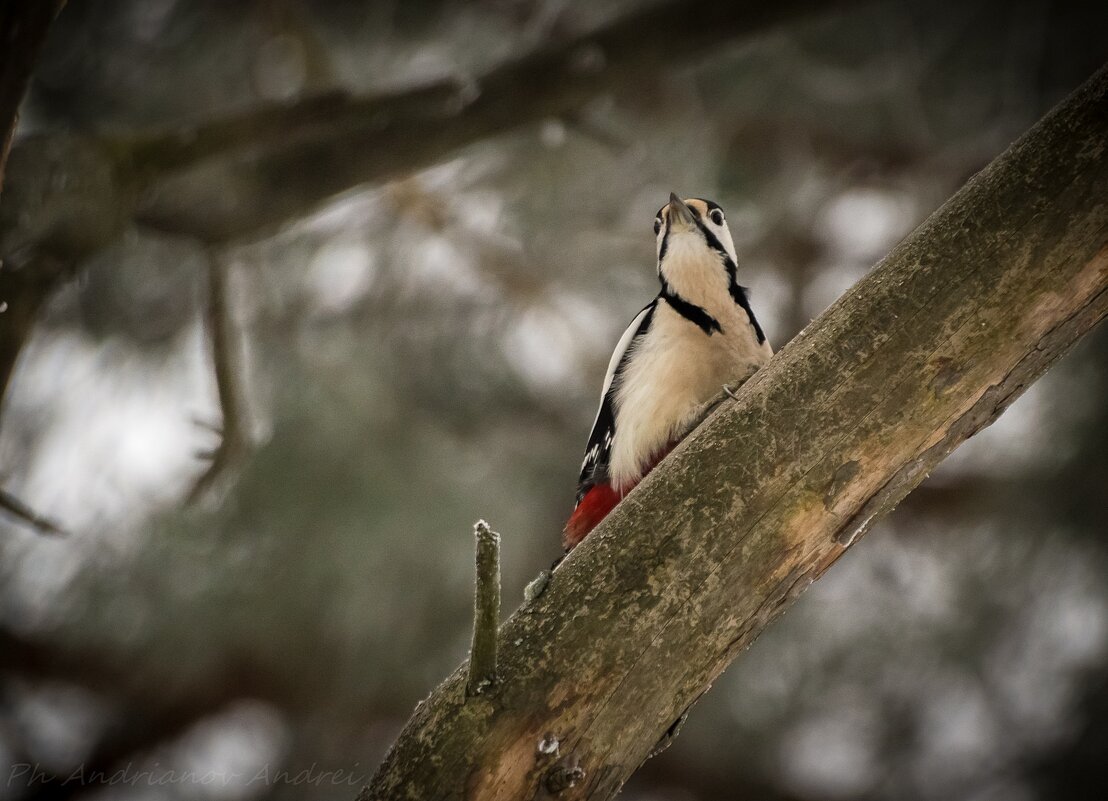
(717, 216)
(657, 224)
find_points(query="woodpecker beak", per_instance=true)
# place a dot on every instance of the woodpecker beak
(680, 215)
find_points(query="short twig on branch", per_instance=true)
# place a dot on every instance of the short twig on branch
(486, 610)
(21, 511)
(234, 442)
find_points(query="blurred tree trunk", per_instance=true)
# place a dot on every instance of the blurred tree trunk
(773, 488)
(23, 26)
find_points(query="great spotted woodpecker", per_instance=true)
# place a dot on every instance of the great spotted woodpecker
(687, 343)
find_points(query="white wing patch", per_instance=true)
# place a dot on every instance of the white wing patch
(620, 351)
(594, 469)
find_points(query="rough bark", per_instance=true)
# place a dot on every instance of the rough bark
(773, 488)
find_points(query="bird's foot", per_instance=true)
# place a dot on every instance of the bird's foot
(708, 407)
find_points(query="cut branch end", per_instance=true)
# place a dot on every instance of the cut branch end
(486, 610)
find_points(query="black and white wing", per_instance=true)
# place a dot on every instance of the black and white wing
(594, 470)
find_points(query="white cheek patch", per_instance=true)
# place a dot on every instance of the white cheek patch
(723, 234)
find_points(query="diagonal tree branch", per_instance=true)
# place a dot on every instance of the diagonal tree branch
(263, 168)
(247, 172)
(773, 488)
(554, 80)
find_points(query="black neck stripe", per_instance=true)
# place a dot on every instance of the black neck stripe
(694, 313)
(737, 292)
(690, 311)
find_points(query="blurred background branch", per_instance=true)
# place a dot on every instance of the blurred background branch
(238, 176)
(20, 511)
(233, 430)
(381, 138)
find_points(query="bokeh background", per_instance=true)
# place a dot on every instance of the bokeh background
(404, 351)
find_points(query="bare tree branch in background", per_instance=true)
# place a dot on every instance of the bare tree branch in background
(247, 173)
(23, 26)
(276, 165)
(21, 511)
(234, 440)
(774, 487)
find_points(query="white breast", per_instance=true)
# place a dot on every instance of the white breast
(673, 371)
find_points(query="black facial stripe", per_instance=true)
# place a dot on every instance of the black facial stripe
(737, 292)
(709, 237)
(715, 244)
(690, 311)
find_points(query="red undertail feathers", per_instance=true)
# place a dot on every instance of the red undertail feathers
(597, 502)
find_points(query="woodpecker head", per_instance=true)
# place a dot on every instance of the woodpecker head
(696, 256)
(691, 231)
